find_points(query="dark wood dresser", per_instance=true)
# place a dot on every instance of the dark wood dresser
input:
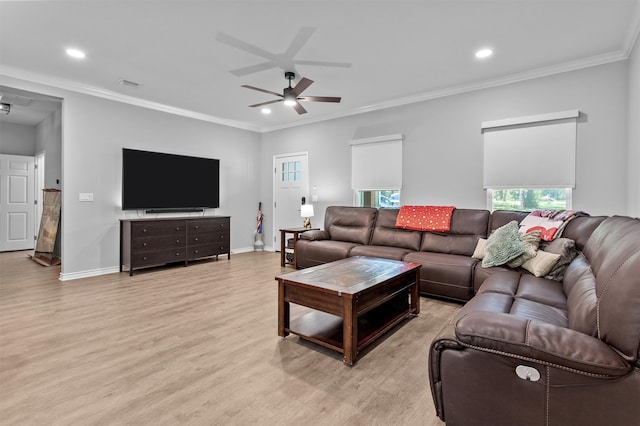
(153, 242)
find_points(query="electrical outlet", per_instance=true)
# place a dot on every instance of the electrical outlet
(85, 196)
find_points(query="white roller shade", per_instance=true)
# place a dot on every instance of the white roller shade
(376, 163)
(531, 152)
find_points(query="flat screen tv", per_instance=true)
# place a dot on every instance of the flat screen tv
(168, 182)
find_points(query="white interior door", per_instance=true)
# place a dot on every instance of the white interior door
(17, 209)
(290, 183)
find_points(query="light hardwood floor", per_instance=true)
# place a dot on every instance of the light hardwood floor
(195, 345)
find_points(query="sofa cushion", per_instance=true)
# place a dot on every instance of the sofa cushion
(613, 250)
(311, 253)
(530, 242)
(540, 264)
(502, 217)
(385, 232)
(524, 296)
(384, 252)
(503, 245)
(350, 224)
(580, 287)
(566, 249)
(447, 275)
(467, 226)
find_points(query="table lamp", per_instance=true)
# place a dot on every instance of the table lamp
(306, 211)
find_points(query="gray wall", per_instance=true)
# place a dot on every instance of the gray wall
(49, 141)
(94, 132)
(17, 139)
(92, 162)
(443, 144)
(633, 159)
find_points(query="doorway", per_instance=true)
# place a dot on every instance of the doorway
(17, 221)
(290, 184)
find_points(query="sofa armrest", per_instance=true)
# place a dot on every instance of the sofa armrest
(536, 341)
(315, 234)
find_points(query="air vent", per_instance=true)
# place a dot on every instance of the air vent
(129, 83)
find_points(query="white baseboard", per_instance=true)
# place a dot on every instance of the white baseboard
(87, 274)
(114, 269)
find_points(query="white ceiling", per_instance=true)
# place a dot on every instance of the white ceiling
(399, 51)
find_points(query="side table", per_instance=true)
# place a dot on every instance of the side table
(283, 244)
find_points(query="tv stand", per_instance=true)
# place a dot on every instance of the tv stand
(194, 210)
(153, 242)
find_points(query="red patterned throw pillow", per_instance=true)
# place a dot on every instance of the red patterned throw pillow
(425, 218)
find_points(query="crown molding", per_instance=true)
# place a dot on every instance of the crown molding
(634, 31)
(73, 86)
(619, 55)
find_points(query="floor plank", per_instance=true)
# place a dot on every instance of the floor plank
(194, 345)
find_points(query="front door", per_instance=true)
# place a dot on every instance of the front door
(17, 209)
(290, 183)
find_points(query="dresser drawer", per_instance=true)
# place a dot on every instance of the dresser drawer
(158, 257)
(196, 226)
(207, 250)
(158, 228)
(208, 238)
(148, 243)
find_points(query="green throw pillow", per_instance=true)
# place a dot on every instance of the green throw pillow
(503, 245)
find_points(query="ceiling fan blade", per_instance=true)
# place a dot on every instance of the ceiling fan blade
(252, 69)
(301, 86)
(304, 34)
(299, 108)
(262, 90)
(320, 99)
(324, 64)
(242, 45)
(266, 103)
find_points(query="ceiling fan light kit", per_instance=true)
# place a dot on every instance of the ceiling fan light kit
(291, 95)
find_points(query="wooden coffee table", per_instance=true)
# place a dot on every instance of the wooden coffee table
(352, 301)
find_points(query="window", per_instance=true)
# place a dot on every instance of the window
(376, 171)
(530, 162)
(290, 171)
(384, 198)
(529, 199)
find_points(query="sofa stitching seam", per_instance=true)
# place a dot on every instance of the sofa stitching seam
(536, 361)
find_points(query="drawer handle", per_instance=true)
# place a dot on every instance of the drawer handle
(196, 239)
(144, 230)
(196, 227)
(222, 237)
(177, 253)
(177, 228)
(144, 258)
(144, 244)
(177, 241)
(196, 251)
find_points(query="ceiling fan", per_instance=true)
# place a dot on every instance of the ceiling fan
(291, 95)
(285, 60)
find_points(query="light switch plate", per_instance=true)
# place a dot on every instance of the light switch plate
(85, 196)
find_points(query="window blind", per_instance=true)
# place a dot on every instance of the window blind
(531, 152)
(376, 163)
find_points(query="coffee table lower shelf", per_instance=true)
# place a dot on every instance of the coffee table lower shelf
(327, 330)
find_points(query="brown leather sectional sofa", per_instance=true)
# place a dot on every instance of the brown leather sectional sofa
(448, 270)
(523, 350)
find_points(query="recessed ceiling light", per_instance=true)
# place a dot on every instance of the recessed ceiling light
(75, 53)
(484, 53)
(266, 111)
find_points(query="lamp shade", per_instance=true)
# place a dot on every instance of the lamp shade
(306, 210)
